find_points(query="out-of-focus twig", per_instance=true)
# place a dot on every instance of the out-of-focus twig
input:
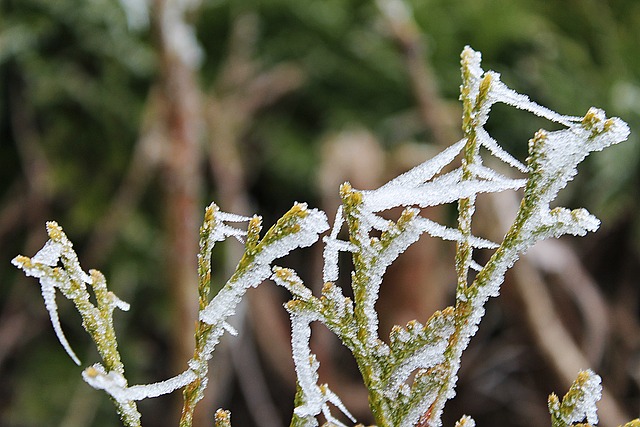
(557, 259)
(408, 37)
(147, 156)
(240, 92)
(181, 112)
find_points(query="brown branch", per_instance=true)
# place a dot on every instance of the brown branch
(180, 112)
(556, 258)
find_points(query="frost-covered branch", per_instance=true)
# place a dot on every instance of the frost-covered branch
(552, 162)
(300, 227)
(579, 404)
(410, 378)
(432, 353)
(57, 267)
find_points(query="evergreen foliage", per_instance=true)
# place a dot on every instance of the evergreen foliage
(410, 379)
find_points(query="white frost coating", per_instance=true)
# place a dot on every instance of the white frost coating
(48, 289)
(49, 254)
(224, 303)
(315, 397)
(466, 421)
(489, 174)
(221, 230)
(447, 233)
(559, 152)
(427, 170)
(425, 357)
(332, 247)
(330, 271)
(70, 279)
(227, 327)
(554, 157)
(334, 400)
(116, 385)
(291, 282)
(117, 302)
(445, 189)
(492, 145)
(475, 266)
(585, 407)
(501, 93)
(475, 71)
(313, 224)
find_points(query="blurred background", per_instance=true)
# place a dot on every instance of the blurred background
(122, 120)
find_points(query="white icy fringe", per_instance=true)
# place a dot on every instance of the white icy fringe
(116, 385)
(585, 408)
(316, 397)
(466, 421)
(41, 266)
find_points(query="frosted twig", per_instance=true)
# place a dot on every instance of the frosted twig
(298, 228)
(72, 281)
(553, 158)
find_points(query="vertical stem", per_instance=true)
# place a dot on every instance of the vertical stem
(366, 333)
(465, 303)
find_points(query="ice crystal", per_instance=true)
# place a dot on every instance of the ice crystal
(116, 385)
(579, 404)
(69, 279)
(466, 421)
(409, 379)
(316, 397)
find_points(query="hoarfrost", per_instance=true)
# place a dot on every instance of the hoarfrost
(49, 254)
(313, 224)
(431, 351)
(316, 397)
(69, 278)
(289, 280)
(117, 302)
(579, 403)
(494, 148)
(48, 289)
(466, 421)
(300, 227)
(116, 385)
(332, 247)
(224, 303)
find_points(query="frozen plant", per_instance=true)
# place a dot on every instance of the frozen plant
(410, 379)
